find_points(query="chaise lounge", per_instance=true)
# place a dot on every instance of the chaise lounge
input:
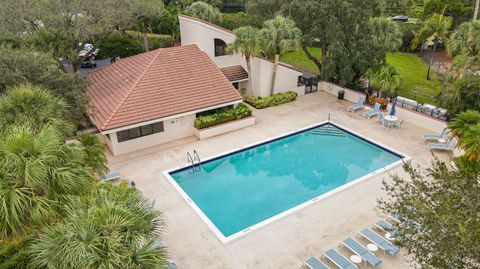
(442, 146)
(315, 263)
(357, 105)
(354, 246)
(436, 136)
(379, 241)
(339, 260)
(372, 112)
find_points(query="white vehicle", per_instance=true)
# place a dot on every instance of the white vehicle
(88, 47)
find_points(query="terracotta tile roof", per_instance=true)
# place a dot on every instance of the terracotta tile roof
(234, 73)
(156, 84)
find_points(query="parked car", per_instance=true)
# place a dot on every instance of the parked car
(89, 64)
(400, 18)
(88, 47)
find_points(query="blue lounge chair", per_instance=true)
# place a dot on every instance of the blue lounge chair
(339, 260)
(381, 242)
(383, 225)
(357, 105)
(372, 112)
(361, 251)
(442, 146)
(315, 263)
(436, 136)
(110, 176)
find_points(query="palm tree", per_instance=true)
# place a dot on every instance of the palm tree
(33, 107)
(470, 142)
(435, 29)
(117, 228)
(279, 35)
(94, 155)
(246, 44)
(386, 79)
(463, 121)
(465, 43)
(40, 174)
(466, 126)
(475, 12)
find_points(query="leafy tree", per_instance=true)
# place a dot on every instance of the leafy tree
(279, 35)
(459, 10)
(260, 11)
(40, 174)
(465, 43)
(246, 43)
(119, 45)
(34, 108)
(63, 28)
(461, 95)
(147, 11)
(204, 11)
(386, 79)
(396, 7)
(438, 211)
(168, 23)
(321, 25)
(115, 228)
(435, 29)
(233, 21)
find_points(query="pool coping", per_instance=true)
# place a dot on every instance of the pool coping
(228, 239)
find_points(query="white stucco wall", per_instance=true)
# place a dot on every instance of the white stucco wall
(173, 129)
(202, 34)
(333, 89)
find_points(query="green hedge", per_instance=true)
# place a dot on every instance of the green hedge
(119, 45)
(155, 41)
(274, 100)
(222, 116)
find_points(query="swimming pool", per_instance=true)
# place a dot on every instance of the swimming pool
(239, 191)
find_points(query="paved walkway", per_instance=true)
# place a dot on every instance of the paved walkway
(285, 243)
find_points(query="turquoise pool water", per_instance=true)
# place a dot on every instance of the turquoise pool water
(244, 188)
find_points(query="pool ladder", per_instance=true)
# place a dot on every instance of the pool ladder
(192, 160)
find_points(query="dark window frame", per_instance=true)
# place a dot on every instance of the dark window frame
(219, 47)
(140, 131)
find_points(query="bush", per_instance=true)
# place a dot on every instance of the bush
(274, 100)
(409, 32)
(222, 116)
(119, 45)
(154, 40)
(233, 21)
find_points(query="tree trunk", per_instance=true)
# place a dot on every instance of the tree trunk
(274, 73)
(475, 13)
(249, 70)
(324, 60)
(145, 35)
(431, 60)
(313, 59)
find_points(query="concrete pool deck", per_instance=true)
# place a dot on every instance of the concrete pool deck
(287, 242)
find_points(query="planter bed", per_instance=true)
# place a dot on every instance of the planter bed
(224, 127)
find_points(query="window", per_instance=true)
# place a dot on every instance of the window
(235, 85)
(137, 132)
(220, 47)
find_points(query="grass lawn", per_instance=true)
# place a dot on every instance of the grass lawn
(413, 71)
(300, 60)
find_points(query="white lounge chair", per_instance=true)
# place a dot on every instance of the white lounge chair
(378, 240)
(315, 263)
(357, 105)
(436, 136)
(357, 248)
(372, 112)
(442, 146)
(110, 177)
(385, 123)
(339, 260)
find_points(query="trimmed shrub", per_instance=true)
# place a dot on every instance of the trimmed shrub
(119, 45)
(274, 100)
(223, 116)
(155, 41)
